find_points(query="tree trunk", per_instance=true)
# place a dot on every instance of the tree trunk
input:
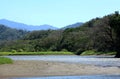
(117, 55)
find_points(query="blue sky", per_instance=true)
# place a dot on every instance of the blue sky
(58, 13)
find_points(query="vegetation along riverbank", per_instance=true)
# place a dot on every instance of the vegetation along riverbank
(99, 34)
(5, 60)
(37, 53)
(89, 52)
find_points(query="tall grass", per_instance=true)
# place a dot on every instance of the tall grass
(37, 53)
(4, 60)
(92, 52)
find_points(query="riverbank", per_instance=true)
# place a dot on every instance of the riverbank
(32, 68)
(5, 60)
(37, 53)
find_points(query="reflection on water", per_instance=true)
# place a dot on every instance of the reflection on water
(94, 60)
(74, 77)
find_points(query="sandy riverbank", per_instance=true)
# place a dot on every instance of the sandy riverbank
(41, 68)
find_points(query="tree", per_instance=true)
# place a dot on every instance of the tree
(107, 34)
(115, 25)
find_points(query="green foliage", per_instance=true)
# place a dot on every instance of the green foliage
(7, 33)
(37, 35)
(100, 34)
(64, 50)
(20, 50)
(89, 52)
(13, 51)
(115, 25)
(4, 60)
(92, 52)
(79, 51)
(38, 53)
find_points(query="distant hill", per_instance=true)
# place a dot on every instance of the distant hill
(22, 26)
(7, 33)
(73, 25)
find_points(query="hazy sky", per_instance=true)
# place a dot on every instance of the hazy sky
(58, 13)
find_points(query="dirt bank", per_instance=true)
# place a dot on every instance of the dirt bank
(41, 68)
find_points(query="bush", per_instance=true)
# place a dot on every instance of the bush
(13, 51)
(79, 51)
(4, 60)
(64, 50)
(52, 48)
(20, 50)
(89, 52)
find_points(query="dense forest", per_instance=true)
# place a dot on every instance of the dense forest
(7, 33)
(98, 34)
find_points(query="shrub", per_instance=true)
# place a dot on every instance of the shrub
(13, 51)
(20, 50)
(79, 51)
(64, 50)
(4, 60)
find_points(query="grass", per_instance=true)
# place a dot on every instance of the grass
(4, 60)
(37, 53)
(88, 52)
(91, 52)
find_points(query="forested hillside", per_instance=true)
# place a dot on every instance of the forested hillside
(7, 33)
(99, 34)
(78, 24)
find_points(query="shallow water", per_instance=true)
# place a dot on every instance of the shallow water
(74, 77)
(94, 60)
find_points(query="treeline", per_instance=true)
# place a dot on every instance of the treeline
(99, 34)
(7, 33)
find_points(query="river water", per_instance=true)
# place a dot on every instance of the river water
(105, 61)
(75, 77)
(94, 60)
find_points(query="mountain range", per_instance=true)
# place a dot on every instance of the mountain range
(22, 26)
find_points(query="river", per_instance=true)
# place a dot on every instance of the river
(74, 77)
(105, 61)
(94, 60)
